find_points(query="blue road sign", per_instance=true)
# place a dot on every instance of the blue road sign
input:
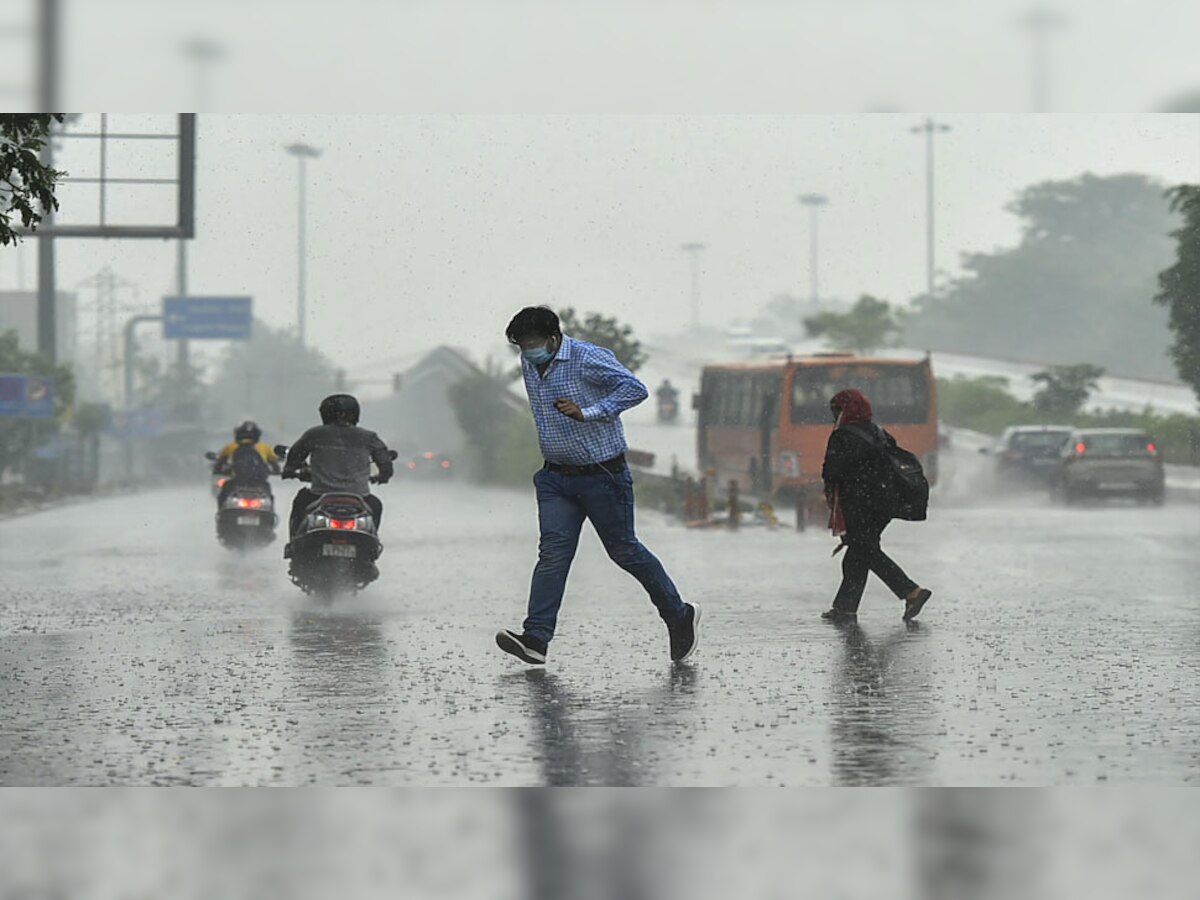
(26, 396)
(39, 397)
(12, 395)
(207, 318)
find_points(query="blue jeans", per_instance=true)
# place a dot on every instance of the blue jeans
(564, 501)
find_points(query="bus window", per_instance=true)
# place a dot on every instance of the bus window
(898, 394)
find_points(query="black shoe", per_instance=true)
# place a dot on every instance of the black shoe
(913, 607)
(522, 646)
(686, 635)
(839, 615)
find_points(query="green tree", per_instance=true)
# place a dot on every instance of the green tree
(503, 443)
(20, 437)
(1074, 287)
(869, 324)
(272, 380)
(605, 331)
(1065, 388)
(1179, 286)
(26, 185)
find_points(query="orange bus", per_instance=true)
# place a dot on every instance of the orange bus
(764, 424)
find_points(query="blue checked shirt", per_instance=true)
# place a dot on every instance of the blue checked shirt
(599, 385)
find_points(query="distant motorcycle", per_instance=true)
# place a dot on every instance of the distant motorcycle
(668, 410)
(335, 548)
(246, 516)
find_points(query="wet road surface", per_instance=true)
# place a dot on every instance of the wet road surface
(1061, 647)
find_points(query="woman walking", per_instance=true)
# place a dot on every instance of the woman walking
(857, 486)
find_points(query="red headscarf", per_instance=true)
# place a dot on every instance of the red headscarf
(855, 407)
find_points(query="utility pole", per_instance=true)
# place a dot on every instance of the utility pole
(1040, 22)
(814, 202)
(203, 53)
(302, 152)
(694, 250)
(929, 128)
(48, 42)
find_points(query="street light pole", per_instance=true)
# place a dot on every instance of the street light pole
(1040, 21)
(814, 202)
(929, 128)
(302, 152)
(203, 53)
(694, 250)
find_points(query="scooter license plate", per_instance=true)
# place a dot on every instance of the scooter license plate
(345, 551)
(247, 520)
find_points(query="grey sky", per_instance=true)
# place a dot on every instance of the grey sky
(435, 229)
(626, 55)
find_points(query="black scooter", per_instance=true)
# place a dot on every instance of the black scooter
(246, 516)
(335, 548)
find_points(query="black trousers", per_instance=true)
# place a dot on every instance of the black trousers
(863, 555)
(306, 497)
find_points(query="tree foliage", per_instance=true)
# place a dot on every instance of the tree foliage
(20, 437)
(605, 331)
(503, 447)
(1065, 388)
(272, 380)
(26, 185)
(1179, 286)
(869, 324)
(1076, 285)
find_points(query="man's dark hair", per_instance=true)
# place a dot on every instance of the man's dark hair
(535, 321)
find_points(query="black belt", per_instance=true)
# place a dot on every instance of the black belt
(608, 467)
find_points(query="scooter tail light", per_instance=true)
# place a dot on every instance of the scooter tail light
(343, 524)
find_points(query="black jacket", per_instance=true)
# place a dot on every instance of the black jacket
(855, 464)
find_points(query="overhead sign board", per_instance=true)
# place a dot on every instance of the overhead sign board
(26, 396)
(207, 318)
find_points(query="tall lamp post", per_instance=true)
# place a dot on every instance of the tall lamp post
(302, 152)
(814, 202)
(203, 53)
(929, 128)
(694, 250)
(1040, 21)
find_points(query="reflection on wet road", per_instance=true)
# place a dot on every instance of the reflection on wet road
(1060, 648)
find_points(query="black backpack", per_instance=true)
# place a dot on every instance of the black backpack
(248, 465)
(907, 488)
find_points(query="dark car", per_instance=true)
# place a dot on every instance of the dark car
(1107, 462)
(426, 465)
(1028, 454)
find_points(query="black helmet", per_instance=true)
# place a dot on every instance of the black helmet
(339, 408)
(247, 431)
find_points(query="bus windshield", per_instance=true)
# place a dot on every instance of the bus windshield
(898, 394)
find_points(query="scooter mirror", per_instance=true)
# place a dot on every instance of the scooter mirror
(393, 454)
(281, 449)
(210, 455)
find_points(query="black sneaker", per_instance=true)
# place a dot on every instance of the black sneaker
(686, 635)
(522, 646)
(839, 615)
(913, 607)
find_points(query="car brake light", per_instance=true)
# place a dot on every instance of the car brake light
(429, 455)
(445, 463)
(221, 482)
(1080, 449)
(249, 503)
(342, 524)
(412, 465)
(1153, 450)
